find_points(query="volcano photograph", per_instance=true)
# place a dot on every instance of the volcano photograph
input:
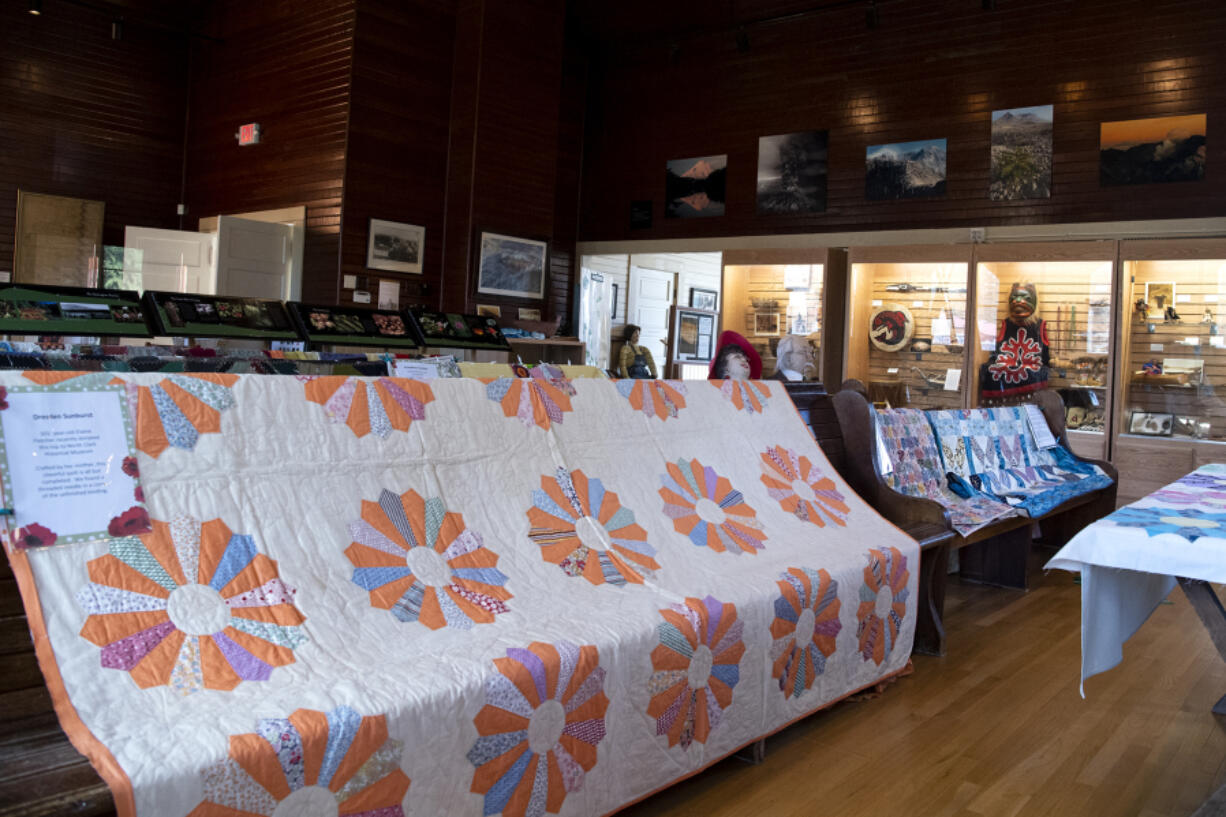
(905, 170)
(694, 188)
(1144, 151)
(792, 173)
(1021, 153)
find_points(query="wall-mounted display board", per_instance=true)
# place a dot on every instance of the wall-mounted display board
(214, 316)
(453, 330)
(907, 325)
(693, 334)
(35, 309)
(351, 326)
(1171, 412)
(1043, 320)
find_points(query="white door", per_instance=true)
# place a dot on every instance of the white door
(650, 305)
(254, 258)
(594, 317)
(169, 260)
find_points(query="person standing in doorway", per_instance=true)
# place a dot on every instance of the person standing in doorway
(635, 361)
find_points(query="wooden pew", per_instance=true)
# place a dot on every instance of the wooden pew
(996, 554)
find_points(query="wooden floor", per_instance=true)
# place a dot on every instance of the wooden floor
(997, 727)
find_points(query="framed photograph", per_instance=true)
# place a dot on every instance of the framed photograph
(512, 266)
(1151, 424)
(395, 246)
(766, 324)
(489, 311)
(905, 170)
(1145, 151)
(703, 298)
(1158, 296)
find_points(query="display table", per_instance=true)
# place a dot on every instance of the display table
(1131, 560)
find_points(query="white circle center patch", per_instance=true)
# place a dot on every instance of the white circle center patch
(700, 667)
(309, 801)
(884, 603)
(1188, 522)
(806, 625)
(591, 533)
(804, 490)
(197, 609)
(428, 566)
(709, 512)
(545, 726)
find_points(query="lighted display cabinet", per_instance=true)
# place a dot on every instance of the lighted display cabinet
(1070, 329)
(907, 325)
(1171, 413)
(769, 294)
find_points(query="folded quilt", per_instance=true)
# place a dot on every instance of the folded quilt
(917, 471)
(378, 596)
(994, 451)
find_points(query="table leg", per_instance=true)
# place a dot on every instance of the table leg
(1209, 607)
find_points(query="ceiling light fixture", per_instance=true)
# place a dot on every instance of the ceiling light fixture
(117, 28)
(36, 7)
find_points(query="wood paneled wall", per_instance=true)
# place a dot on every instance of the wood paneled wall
(86, 116)
(931, 69)
(398, 132)
(288, 68)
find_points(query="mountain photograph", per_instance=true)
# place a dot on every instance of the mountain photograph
(695, 188)
(1145, 151)
(1021, 153)
(792, 173)
(905, 170)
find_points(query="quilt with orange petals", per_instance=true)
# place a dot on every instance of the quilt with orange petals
(380, 597)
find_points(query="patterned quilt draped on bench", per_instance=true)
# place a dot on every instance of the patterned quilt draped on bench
(994, 451)
(379, 597)
(917, 471)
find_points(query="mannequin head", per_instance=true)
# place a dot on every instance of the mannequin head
(630, 334)
(794, 354)
(1023, 303)
(736, 359)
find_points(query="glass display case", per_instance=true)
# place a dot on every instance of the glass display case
(1043, 316)
(769, 295)
(907, 325)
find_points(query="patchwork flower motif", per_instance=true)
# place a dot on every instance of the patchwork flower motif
(335, 762)
(805, 628)
(540, 399)
(395, 403)
(423, 564)
(1018, 357)
(801, 489)
(655, 398)
(1174, 496)
(746, 395)
(696, 666)
(1199, 479)
(1190, 523)
(704, 506)
(542, 721)
(584, 529)
(179, 409)
(883, 603)
(192, 606)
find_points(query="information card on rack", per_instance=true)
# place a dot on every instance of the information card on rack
(65, 467)
(1043, 438)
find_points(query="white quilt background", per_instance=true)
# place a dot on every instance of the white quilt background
(288, 475)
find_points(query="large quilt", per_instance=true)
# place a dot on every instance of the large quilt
(995, 452)
(917, 471)
(382, 597)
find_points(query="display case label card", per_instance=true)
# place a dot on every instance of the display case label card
(953, 379)
(389, 294)
(876, 303)
(361, 296)
(69, 470)
(1218, 341)
(414, 369)
(1039, 429)
(1155, 347)
(1183, 299)
(1209, 298)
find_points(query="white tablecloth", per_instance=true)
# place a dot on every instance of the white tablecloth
(1129, 560)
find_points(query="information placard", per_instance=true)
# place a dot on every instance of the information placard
(69, 471)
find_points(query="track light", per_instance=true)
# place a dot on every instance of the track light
(742, 40)
(989, 5)
(36, 7)
(870, 15)
(117, 28)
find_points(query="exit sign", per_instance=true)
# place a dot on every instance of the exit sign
(249, 134)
